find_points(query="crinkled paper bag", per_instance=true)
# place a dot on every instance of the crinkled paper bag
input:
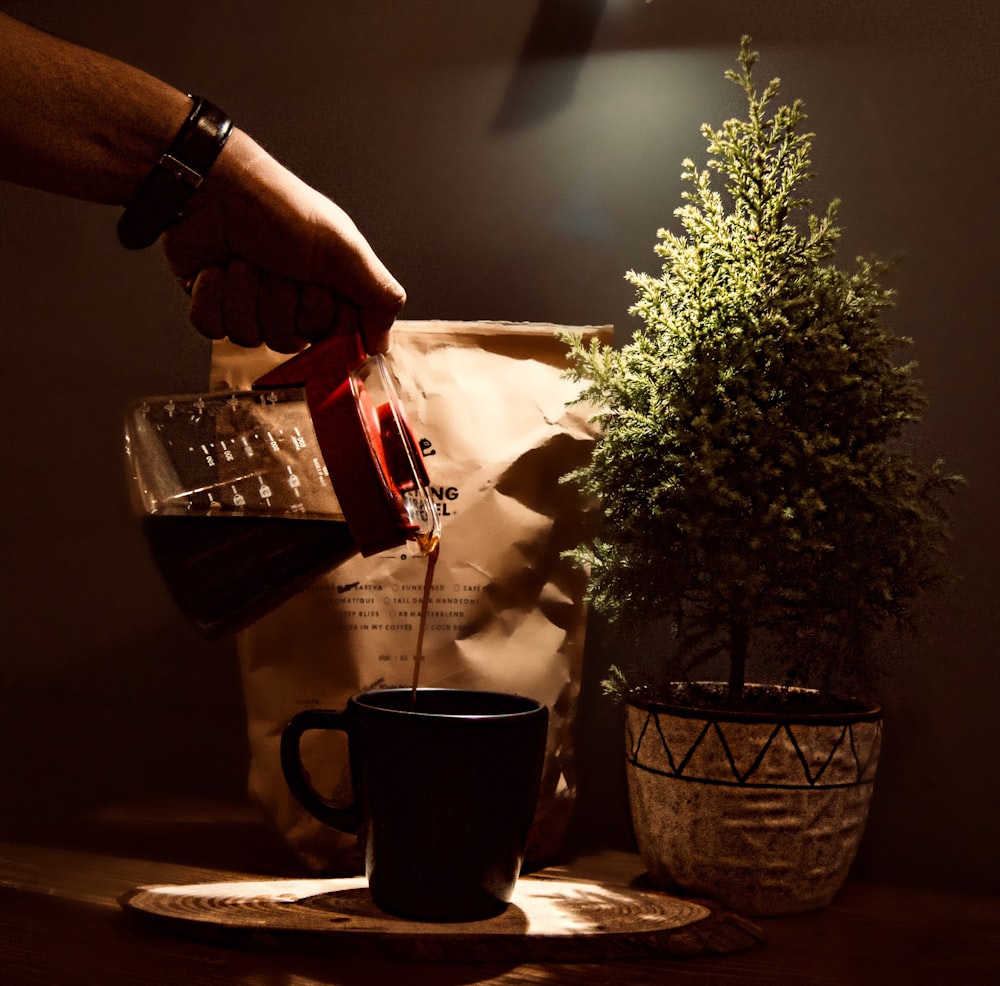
(488, 403)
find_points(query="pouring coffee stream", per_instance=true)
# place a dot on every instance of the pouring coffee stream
(431, 551)
(246, 496)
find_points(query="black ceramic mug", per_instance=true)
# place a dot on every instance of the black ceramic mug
(445, 791)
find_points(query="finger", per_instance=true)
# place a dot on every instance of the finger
(277, 304)
(239, 303)
(205, 312)
(366, 286)
(375, 332)
(322, 312)
(316, 315)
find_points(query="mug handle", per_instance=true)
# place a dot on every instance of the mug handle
(344, 818)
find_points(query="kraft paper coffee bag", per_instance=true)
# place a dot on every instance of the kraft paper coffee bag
(487, 401)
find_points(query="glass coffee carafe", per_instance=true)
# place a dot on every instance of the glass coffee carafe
(245, 496)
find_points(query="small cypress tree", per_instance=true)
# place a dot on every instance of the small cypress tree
(752, 482)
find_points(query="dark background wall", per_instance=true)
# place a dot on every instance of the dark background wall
(509, 159)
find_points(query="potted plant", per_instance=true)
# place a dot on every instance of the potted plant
(759, 505)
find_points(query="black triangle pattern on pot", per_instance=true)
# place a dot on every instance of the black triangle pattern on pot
(859, 755)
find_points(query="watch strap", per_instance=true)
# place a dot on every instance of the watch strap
(159, 201)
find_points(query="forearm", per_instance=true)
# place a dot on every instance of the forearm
(76, 122)
(266, 257)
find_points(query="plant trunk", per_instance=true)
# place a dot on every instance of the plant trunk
(739, 649)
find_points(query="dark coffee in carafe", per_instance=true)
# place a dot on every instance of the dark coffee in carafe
(224, 573)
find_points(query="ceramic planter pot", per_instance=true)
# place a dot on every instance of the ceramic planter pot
(760, 812)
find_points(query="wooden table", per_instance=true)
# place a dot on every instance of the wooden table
(61, 923)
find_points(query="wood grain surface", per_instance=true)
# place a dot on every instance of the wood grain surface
(62, 924)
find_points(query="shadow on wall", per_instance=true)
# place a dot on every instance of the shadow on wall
(561, 34)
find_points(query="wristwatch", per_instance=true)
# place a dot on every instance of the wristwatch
(158, 203)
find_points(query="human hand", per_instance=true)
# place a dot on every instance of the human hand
(267, 259)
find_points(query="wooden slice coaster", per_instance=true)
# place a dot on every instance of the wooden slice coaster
(551, 918)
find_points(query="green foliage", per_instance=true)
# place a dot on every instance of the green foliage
(753, 486)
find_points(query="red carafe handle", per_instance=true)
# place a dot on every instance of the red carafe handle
(350, 433)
